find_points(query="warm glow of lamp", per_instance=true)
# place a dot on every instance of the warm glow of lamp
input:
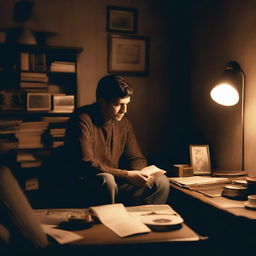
(225, 94)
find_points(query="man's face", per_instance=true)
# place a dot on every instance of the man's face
(115, 109)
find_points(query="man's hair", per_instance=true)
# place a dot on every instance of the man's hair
(111, 87)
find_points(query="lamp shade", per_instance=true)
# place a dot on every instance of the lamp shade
(225, 94)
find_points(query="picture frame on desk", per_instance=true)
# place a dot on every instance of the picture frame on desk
(38, 101)
(200, 159)
(121, 19)
(128, 55)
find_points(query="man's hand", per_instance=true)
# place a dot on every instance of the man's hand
(136, 178)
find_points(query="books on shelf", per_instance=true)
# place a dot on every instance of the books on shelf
(34, 76)
(28, 158)
(29, 134)
(63, 66)
(55, 119)
(56, 130)
(9, 126)
(7, 142)
(63, 103)
(33, 61)
(33, 84)
(33, 80)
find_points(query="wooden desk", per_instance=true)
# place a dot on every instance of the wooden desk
(99, 239)
(233, 207)
(101, 235)
(227, 223)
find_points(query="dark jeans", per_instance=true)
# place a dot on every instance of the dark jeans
(105, 189)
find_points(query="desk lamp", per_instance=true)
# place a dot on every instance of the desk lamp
(226, 93)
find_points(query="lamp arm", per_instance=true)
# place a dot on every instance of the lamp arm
(242, 114)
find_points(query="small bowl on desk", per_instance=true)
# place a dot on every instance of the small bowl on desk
(251, 203)
(233, 191)
(251, 184)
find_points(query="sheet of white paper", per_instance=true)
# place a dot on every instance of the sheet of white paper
(197, 180)
(61, 236)
(158, 209)
(116, 218)
(153, 171)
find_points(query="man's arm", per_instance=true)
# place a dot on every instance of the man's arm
(80, 143)
(135, 159)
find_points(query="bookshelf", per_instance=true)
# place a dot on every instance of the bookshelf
(38, 91)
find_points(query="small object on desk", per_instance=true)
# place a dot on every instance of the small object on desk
(229, 173)
(251, 203)
(162, 222)
(251, 185)
(183, 170)
(240, 182)
(76, 223)
(235, 192)
(250, 206)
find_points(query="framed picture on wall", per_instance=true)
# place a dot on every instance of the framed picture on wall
(200, 159)
(128, 55)
(121, 19)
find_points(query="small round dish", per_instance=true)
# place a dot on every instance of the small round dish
(249, 206)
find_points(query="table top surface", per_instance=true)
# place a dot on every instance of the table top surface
(234, 207)
(99, 234)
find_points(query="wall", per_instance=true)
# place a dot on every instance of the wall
(224, 31)
(82, 23)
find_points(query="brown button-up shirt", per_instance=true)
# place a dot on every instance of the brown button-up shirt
(98, 147)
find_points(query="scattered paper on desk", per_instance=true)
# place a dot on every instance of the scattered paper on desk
(151, 209)
(197, 180)
(55, 216)
(61, 236)
(116, 218)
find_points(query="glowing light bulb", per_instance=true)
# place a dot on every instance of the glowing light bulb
(225, 94)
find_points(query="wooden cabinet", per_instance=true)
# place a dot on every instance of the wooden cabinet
(38, 91)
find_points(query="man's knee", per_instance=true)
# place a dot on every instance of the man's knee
(109, 183)
(162, 182)
(107, 179)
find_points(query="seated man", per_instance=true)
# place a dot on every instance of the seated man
(20, 230)
(98, 137)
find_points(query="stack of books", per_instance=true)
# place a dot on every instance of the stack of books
(30, 134)
(63, 66)
(33, 80)
(27, 159)
(56, 130)
(7, 139)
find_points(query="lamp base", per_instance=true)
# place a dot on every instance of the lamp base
(229, 173)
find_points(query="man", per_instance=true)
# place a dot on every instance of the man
(99, 139)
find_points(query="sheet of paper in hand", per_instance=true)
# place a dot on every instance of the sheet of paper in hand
(153, 172)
